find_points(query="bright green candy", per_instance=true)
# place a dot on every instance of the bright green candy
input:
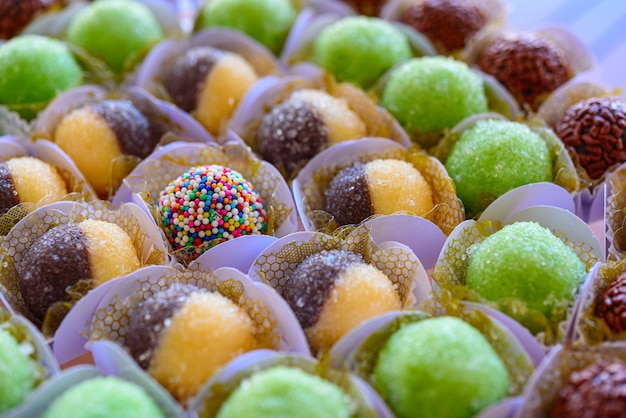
(116, 31)
(431, 94)
(440, 367)
(285, 392)
(35, 69)
(266, 21)
(525, 261)
(360, 49)
(17, 372)
(103, 397)
(493, 157)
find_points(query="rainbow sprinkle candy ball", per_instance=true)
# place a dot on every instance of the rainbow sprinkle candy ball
(208, 205)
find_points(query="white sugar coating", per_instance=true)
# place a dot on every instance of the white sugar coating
(34, 179)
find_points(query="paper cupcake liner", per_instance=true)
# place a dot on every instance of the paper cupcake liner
(615, 203)
(503, 409)
(12, 124)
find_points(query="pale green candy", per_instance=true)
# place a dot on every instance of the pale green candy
(440, 367)
(266, 21)
(285, 392)
(493, 157)
(360, 49)
(117, 31)
(104, 397)
(431, 94)
(525, 261)
(17, 372)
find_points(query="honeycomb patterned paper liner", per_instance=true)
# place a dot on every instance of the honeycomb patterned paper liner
(615, 217)
(20, 238)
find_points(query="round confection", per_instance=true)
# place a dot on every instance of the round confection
(378, 187)
(611, 307)
(431, 94)
(439, 367)
(28, 179)
(331, 292)
(525, 261)
(527, 66)
(34, 69)
(266, 21)
(16, 14)
(69, 253)
(17, 374)
(208, 205)
(493, 157)
(182, 335)
(360, 49)
(367, 7)
(446, 23)
(117, 31)
(104, 397)
(597, 391)
(209, 83)
(95, 135)
(596, 129)
(284, 391)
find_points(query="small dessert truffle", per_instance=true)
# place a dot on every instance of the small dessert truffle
(611, 307)
(181, 335)
(529, 67)
(266, 21)
(207, 205)
(596, 129)
(360, 49)
(15, 15)
(68, 253)
(28, 179)
(367, 7)
(209, 83)
(286, 392)
(118, 32)
(104, 397)
(431, 94)
(493, 157)
(525, 261)
(331, 292)
(296, 130)
(377, 187)
(597, 391)
(17, 374)
(439, 367)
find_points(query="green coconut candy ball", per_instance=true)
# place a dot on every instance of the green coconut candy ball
(360, 49)
(17, 372)
(493, 157)
(284, 392)
(439, 367)
(118, 32)
(527, 262)
(431, 94)
(103, 397)
(266, 21)
(34, 69)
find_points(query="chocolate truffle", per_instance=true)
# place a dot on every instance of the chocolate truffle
(331, 292)
(92, 250)
(181, 335)
(377, 187)
(28, 179)
(529, 67)
(611, 307)
(596, 129)
(597, 391)
(209, 83)
(367, 7)
(16, 14)
(17, 374)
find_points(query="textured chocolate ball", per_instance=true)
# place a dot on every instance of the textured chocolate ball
(16, 14)
(611, 306)
(367, 7)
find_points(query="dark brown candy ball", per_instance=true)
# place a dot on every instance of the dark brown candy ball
(16, 14)
(348, 197)
(367, 7)
(611, 307)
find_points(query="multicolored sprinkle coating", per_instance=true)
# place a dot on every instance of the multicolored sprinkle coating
(208, 205)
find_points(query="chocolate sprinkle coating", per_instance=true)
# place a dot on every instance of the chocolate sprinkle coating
(348, 197)
(8, 194)
(58, 259)
(310, 283)
(151, 318)
(15, 15)
(598, 390)
(185, 79)
(596, 129)
(367, 7)
(611, 307)
(291, 134)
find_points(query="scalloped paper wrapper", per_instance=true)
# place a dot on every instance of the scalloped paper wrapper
(543, 389)
(503, 409)
(145, 237)
(615, 213)
(449, 273)
(315, 177)
(12, 123)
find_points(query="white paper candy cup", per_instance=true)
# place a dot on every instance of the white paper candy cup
(503, 409)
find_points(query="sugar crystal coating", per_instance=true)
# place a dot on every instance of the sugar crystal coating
(32, 180)
(347, 197)
(8, 194)
(17, 374)
(611, 306)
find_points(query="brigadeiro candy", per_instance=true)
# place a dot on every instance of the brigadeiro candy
(367, 7)
(611, 306)
(18, 376)
(15, 15)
